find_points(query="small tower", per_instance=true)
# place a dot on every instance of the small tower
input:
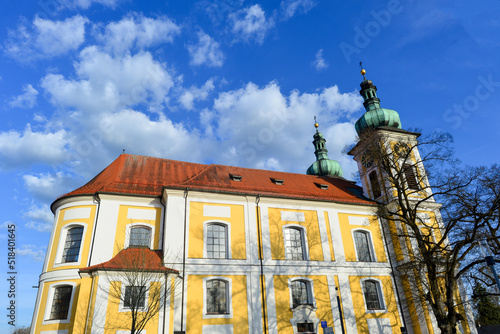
(323, 166)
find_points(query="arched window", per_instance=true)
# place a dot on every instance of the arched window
(60, 302)
(140, 237)
(217, 301)
(363, 245)
(294, 243)
(216, 241)
(372, 293)
(301, 293)
(72, 245)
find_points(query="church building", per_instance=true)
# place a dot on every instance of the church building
(170, 247)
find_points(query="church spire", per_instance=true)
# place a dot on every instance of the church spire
(322, 166)
(375, 116)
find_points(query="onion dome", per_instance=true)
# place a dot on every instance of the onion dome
(323, 166)
(374, 116)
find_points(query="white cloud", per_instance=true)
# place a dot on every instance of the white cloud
(206, 51)
(251, 24)
(320, 63)
(189, 96)
(26, 100)
(138, 133)
(47, 186)
(291, 7)
(138, 32)
(46, 38)
(85, 4)
(256, 124)
(40, 218)
(107, 83)
(35, 252)
(20, 149)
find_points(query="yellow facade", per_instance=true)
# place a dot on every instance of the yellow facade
(60, 225)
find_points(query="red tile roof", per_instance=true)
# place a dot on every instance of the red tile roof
(139, 259)
(141, 175)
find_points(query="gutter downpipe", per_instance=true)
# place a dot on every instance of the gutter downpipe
(184, 258)
(163, 250)
(261, 255)
(90, 304)
(98, 200)
(403, 329)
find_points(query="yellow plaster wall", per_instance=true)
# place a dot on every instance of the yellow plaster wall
(196, 223)
(311, 226)
(391, 305)
(194, 304)
(89, 222)
(123, 221)
(348, 240)
(328, 231)
(282, 298)
(116, 320)
(78, 310)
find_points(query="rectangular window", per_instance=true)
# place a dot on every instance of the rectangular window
(216, 241)
(72, 245)
(363, 246)
(135, 297)
(372, 296)
(217, 297)
(60, 302)
(294, 249)
(305, 327)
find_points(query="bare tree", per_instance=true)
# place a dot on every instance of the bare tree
(21, 330)
(138, 284)
(441, 241)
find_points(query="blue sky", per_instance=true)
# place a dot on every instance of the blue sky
(229, 82)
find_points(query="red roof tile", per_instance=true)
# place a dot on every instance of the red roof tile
(141, 175)
(142, 259)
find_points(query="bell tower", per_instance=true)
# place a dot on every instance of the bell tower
(384, 146)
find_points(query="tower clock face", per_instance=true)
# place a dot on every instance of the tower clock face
(366, 160)
(401, 149)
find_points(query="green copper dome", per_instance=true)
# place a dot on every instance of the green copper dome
(323, 166)
(375, 116)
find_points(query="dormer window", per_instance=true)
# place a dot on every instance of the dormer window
(322, 186)
(277, 181)
(235, 177)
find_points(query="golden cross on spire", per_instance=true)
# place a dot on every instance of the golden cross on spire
(316, 123)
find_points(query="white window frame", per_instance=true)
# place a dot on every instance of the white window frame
(50, 300)
(229, 297)
(227, 226)
(303, 234)
(370, 244)
(123, 308)
(142, 224)
(62, 241)
(380, 292)
(310, 291)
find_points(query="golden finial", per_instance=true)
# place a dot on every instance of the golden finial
(315, 123)
(363, 71)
